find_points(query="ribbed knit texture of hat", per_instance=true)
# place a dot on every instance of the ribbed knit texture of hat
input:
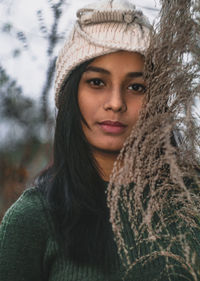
(102, 28)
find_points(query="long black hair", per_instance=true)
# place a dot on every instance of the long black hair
(73, 185)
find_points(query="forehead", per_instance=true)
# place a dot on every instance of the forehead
(122, 61)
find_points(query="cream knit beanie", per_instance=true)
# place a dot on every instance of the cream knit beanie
(102, 28)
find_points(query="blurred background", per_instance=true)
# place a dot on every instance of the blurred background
(31, 33)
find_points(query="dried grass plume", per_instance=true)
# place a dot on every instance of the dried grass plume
(153, 194)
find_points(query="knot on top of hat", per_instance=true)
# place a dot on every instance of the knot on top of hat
(120, 11)
(92, 16)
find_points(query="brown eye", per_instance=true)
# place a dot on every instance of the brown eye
(95, 82)
(140, 88)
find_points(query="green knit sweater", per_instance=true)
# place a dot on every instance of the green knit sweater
(29, 250)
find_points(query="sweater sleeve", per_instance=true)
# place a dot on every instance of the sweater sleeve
(23, 236)
(174, 254)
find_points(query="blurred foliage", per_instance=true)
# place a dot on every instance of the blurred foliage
(26, 148)
(16, 53)
(26, 123)
(53, 37)
(6, 27)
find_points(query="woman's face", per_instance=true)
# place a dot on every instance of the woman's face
(110, 95)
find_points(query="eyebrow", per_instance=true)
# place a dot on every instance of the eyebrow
(104, 71)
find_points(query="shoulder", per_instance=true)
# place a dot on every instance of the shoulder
(28, 214)
(24, 235)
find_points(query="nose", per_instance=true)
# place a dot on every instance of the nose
(115, 101)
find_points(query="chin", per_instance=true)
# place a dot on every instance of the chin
(108, 149)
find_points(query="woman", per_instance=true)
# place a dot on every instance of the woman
(60, 229)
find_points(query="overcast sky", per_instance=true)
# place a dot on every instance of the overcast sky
(30, 67)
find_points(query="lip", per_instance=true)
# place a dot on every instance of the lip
(112, 127)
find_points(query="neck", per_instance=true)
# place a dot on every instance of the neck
(105, 161)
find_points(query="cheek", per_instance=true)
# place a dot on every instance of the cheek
(87, 107)
(135, 107)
